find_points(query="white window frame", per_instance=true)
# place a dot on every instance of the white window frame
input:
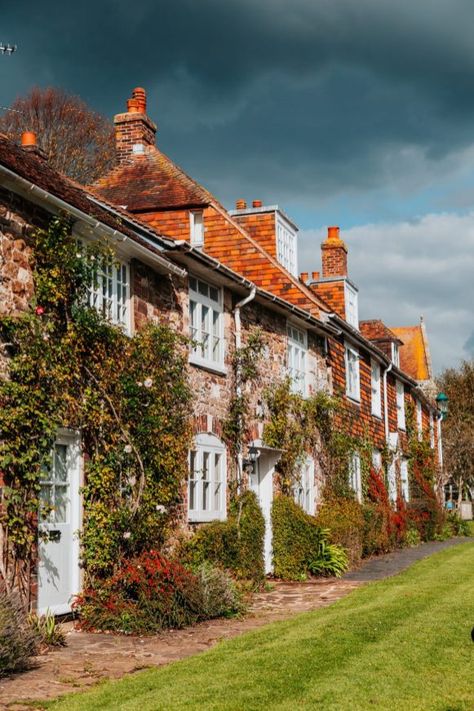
(405, 487)
(303, 487)
(207, 481)
(355, 475)
(196, 228)
(400, 388)
(351, 357)
(109, 293)
(419, 419)
(392, 481)
(377, 460)
(206, 325)
(286, 246)
(296, 358)
(376, 388)
(395, 354)
(352, 305)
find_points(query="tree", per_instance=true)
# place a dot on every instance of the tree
(458, 427)
(77, 141)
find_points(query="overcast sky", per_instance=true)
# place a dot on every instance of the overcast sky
(351, 112)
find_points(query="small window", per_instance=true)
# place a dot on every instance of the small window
(207, 479)
(404, 478)
(395, 354)
(286, 248)
(297, 346)
(352, 306)
(352, 373)
(206, 324)
(355, 476)
(376, 389)
(109, 292)
(377, 460)
(392, 482)
(419, 419)
(303, 489)
(196, 221)
(400, 405)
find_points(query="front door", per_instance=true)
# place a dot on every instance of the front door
(58, 567)
(261, 482)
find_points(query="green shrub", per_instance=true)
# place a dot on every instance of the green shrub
(235, 544)
(458, 526)
(219, 595)
(150, 593)
(376, 533)
(18, 642)
(300, 546)
(412, 538)
(47, 629)
(331, 559)
(345, 521)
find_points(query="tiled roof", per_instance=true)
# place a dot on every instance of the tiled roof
(35, 169)
(414, 353)
(151, 181)
(376, 330)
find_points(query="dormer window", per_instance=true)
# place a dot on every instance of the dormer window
(352, 306)
(395, 354)
(286, 246)
(196, 221)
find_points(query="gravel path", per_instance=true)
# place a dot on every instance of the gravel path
(384, 566)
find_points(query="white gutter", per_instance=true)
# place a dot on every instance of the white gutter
(92, 221)
(238, 384)
(385, 401)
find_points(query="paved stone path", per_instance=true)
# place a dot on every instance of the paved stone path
(90, 657)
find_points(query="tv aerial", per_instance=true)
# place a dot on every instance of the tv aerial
(7, 48)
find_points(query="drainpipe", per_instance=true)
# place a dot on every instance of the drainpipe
(385, 400)
(238, 386)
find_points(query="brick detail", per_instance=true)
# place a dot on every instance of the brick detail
(334, 254)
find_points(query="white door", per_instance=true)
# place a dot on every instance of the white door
(58, 565)
(261, 482)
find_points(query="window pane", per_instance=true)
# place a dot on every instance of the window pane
(205, 331)
(205, 481)
(60, 462)
(46, 502)
(60, 504)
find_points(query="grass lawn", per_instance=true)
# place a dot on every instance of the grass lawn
(403, 643)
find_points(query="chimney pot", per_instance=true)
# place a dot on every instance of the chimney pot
(139, 94)
(257, 203)
(240, 205)
(315, 276)
(333, 233)
(304, 277)
(28, 138)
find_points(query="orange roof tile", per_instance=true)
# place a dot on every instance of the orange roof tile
(152, 182)
(415, 356)
(376, 330)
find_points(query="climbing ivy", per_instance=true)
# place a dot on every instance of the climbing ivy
(68, 366)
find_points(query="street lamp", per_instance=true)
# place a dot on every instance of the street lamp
(442, 402)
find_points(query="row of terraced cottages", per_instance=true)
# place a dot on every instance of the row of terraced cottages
(214, 275)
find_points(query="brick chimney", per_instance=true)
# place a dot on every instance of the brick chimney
(134, 130)
(334, 254)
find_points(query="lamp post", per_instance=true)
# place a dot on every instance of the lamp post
(442, 402)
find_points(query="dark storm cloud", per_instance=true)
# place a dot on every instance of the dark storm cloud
(300, 97)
